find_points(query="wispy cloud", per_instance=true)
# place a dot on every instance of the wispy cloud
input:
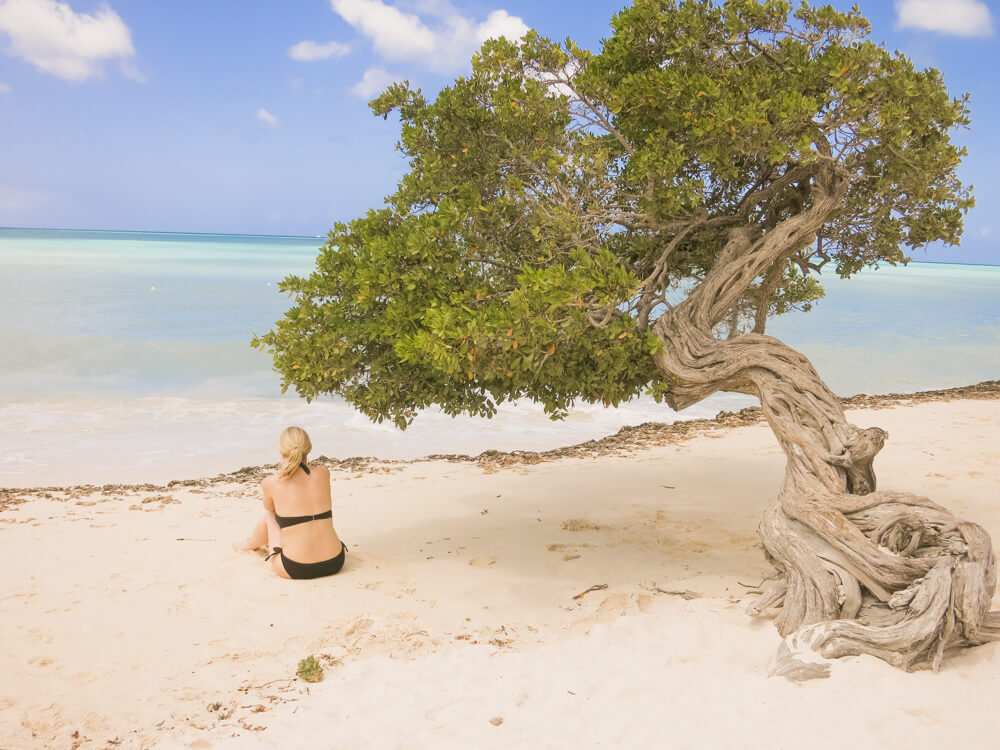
(374, 81)
(961, 17)
(5, 88)
(72, 46)
(130, 71)
(443, 40)
(267, 118)
(308, 51)
(18, 205)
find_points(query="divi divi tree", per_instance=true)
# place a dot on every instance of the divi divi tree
(576, 226)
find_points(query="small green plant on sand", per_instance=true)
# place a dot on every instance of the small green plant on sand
(310, 670)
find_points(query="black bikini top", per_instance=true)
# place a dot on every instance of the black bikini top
(285, 521)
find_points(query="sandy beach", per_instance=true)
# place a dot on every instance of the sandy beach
(129, 621)
(525, 277)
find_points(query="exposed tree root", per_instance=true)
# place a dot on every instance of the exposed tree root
(933, 575)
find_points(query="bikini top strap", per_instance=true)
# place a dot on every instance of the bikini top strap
(304, 467)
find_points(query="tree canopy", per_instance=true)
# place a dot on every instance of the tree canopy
(558, 202)
(581, 226)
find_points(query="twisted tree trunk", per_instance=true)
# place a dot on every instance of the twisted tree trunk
(861, 570)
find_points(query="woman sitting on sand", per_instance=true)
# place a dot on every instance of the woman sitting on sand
(297, 503)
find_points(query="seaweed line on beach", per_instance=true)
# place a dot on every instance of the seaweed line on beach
(630, 438)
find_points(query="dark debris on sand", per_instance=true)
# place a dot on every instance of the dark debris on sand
(623, 442)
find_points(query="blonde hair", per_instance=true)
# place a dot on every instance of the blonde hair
(294, 446)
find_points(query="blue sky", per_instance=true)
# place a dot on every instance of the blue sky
(251, 116)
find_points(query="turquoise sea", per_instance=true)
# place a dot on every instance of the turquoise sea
(125, 356)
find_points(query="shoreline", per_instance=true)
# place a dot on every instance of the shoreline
(634, 437)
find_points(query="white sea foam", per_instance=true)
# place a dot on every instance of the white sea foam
(102, 439)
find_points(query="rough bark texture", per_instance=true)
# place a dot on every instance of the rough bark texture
(861, 570)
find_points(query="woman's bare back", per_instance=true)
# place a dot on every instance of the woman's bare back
(304, 494)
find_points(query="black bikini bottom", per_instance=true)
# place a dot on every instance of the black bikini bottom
(312, 570)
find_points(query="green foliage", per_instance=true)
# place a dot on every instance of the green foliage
(558, 201)
(309, 670)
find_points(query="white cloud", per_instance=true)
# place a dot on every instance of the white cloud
(5, 88)
(395, 35)
(444, 45)
(500, 23)
(986, 231)
(961, 17)
(72, 46)
(374, 81)
(267, 118)
(308, 51)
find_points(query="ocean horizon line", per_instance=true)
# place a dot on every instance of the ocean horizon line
(167, 232)
(323, 237)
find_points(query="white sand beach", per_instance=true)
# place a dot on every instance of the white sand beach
(129, 621)
(576, 251)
